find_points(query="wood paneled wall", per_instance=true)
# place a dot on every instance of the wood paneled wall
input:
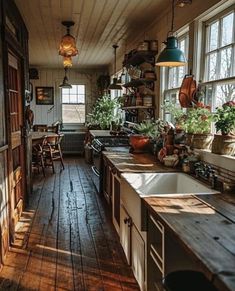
(47, 114)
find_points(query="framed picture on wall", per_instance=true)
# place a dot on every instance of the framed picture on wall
(44, 95)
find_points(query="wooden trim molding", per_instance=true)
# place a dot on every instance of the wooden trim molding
(3, 148)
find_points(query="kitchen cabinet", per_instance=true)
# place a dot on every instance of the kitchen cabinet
(125, 233)
(116, 201)
(164, 254)
(133, 245)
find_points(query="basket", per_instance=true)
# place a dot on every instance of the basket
(223, 145)
(202, 141)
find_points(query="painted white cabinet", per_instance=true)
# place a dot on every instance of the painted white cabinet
(138, 256)
(133, 245)
(125, 233)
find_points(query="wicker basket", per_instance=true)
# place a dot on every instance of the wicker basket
(223, 144)
(202, 141)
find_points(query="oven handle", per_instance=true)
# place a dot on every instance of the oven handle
(94, 170)
(94, 149)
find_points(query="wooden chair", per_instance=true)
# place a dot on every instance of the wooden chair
(38, 154)
(40, 127)
(53, 128)
(53, 151)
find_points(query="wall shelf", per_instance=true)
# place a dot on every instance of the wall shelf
(138, 82)
(140, 57)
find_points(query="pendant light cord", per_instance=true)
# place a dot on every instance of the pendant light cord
(173, 16)
(115, 46)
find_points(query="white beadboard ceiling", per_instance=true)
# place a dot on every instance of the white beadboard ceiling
(98, 25)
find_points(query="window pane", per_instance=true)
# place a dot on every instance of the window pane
(81, 89)
(65, 91)
(212, 59)
(172, 78)
(226, 63)
(182, 45)
(224, 93)
(73, 99)
(73, 90)
(227, 29)
(213, 39)
(206, 94)
(81, 99)
(65, 98)
(73, 113)
(181, 75)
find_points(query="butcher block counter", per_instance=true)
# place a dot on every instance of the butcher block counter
(137, 163)
(204, 225)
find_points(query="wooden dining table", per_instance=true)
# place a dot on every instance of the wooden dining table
(39, 134)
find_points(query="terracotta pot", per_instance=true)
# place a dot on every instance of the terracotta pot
(223, 144)
(139, 143)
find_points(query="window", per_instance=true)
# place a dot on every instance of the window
(73, 104)
(218, 77)
(173, 77)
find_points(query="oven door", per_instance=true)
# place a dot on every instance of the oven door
(96, 161)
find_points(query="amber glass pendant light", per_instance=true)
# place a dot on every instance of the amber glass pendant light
(68, 43)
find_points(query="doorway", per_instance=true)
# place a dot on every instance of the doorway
(16, 153)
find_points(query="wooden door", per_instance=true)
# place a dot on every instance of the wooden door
(16, 146)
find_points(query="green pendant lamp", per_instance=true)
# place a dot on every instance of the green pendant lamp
(171, 56)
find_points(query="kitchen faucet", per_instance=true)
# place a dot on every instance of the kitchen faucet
(206, 172)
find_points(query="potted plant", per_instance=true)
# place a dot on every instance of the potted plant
(148, 131)
(106, 112)
(176, 112)
(224, 117)
(197, 125)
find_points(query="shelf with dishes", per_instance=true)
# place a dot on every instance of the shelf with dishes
(139, 97)
(135, 58)
(138, 82)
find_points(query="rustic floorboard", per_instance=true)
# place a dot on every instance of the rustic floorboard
(65, 239)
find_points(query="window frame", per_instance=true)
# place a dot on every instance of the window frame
(74, 103)
(204, 53)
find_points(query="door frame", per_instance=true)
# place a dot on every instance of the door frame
(14, 210)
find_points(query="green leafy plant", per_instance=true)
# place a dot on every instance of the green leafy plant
(198, 120)
(225, 118)
(176, 112)
(151, 128)
(106, 111)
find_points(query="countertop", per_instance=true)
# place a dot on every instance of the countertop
(203, 224)
(124, 162)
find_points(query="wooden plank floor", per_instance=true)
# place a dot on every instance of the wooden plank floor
(65, 239)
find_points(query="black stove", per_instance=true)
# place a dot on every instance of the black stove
(102, 142)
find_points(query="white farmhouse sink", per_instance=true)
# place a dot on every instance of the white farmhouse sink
(162, 184)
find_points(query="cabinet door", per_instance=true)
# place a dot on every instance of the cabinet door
(125, 233)
(138, 256)
(107, 182)
(116, 202)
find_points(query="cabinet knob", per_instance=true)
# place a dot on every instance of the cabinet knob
(128, 221)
